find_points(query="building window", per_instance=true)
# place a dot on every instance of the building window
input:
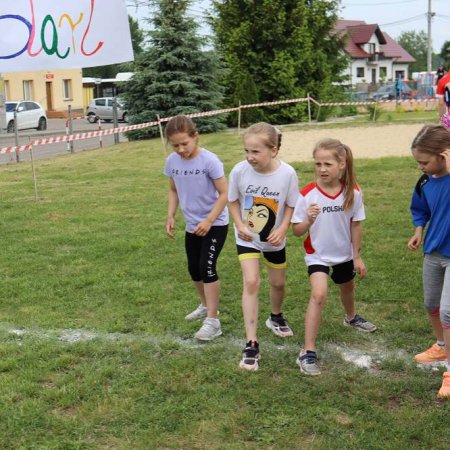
(28, 89)
(372, 48)
(6, 87)
(67, 89)
(360, 72)
(383, 72)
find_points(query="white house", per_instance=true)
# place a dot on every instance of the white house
(375, 56)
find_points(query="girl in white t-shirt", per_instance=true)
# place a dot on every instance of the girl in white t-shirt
(331, 210)
(262, 194)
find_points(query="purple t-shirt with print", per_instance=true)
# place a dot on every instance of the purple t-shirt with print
(196, 192)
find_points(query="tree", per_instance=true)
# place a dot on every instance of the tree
(111, 70)
(445, 51)
(282, 48)
(174, 74)
(416, 44)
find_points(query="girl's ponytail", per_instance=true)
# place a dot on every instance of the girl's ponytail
(348, 178)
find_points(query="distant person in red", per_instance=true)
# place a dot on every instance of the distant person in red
(443, 84)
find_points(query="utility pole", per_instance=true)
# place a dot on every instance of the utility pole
(430, 16)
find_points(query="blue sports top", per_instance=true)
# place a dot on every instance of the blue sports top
(431, 204)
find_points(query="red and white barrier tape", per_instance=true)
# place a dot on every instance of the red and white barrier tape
(14, 149)
(92, 134)
(375, 102)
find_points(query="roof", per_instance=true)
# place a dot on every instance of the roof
(360, 33)
(393, 50)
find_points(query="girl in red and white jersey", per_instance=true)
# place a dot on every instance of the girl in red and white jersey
(331, 210)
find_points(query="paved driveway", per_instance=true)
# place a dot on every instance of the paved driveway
(56, 127)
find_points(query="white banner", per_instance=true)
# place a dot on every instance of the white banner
(58, 34)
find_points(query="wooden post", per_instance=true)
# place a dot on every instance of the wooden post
(161, 133)
(239, 118)
(309, 109)
(34, 174)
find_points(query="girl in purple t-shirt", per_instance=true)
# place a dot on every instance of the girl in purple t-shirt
(198, 185)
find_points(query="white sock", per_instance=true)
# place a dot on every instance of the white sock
(440, 343)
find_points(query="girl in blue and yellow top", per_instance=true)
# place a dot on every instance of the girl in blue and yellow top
(430, 206)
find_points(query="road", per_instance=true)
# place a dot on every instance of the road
(56, 127)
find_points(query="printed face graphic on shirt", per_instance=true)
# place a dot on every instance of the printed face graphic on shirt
(260, 215)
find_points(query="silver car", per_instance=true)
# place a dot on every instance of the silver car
(102, 108)
(29, 115)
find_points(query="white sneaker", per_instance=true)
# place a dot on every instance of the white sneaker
(209, 330)
(198, 313)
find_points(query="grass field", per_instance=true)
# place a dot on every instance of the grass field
(95, 351)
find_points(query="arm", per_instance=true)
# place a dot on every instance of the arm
(302, 227)
(277, 235)
(235, 211)
(205, 225)
(171, 209)
(416, 240)
(356, 234)
(421, 215)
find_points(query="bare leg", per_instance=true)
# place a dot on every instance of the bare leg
(251, 281)
(277, 279)
(212, 295)
(201, 292)
(319, 292)
(437, 327)
(347, 291)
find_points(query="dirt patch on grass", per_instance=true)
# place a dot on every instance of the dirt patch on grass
(366, 142)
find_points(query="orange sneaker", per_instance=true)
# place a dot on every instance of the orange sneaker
(444, 391)
(433, 354)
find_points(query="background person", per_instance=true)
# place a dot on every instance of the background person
(430, 205)
(198, 184)
(325, 209)
(443, 84)
(262, 195)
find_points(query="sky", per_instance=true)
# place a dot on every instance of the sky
(393, 16)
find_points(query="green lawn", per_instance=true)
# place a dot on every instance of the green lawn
(95, 351)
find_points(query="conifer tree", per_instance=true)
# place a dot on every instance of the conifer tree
(174, 74)
(286, 47)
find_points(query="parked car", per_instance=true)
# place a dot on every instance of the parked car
(387, 92)
(29, 115)
(359, 96)
(102, 108)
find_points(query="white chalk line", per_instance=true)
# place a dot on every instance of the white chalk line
(361, 358)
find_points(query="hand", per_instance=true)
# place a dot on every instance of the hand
(276, 237)
(170, 227)
(360, 267)
(446, 156)
(415, 241)
(202, 229)
(313, 211)
(244, 234)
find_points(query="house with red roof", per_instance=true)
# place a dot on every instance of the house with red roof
(374, 56)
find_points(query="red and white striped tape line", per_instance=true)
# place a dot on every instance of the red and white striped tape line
(375, 102)
(92, 134)
(14, 149)
(278, 102)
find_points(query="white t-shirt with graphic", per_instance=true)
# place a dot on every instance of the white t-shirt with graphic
(262, 198)
(329, 239)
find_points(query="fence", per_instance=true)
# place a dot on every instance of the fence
(71, 137)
